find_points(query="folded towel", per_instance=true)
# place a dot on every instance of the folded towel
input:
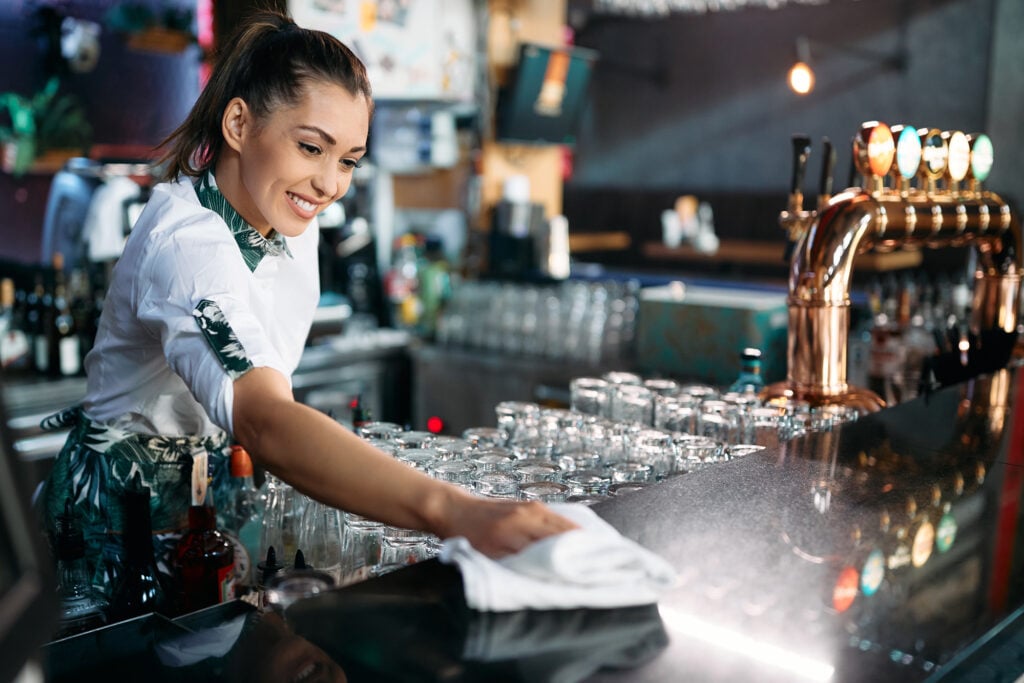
(593, 566)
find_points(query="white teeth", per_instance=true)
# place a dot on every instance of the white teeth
(301, 203)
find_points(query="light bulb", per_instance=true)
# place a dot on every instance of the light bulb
(801, 78)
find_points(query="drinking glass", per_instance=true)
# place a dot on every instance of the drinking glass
(631, 403)
(414, 439)
(493, 460)
(385, 431)
(654, 448)
(631, 472)
(588, 482)
(320, 538)
(696, 452)
(662, 387)
(620, 377)
(543, 491)
(537, 470)
(497, 485)
(420, 458)
(517, 419)
(451, 447)
(623, 488)
(458, 472)
(589, 395)
(483, 437)
(677, 413)
(361, 545)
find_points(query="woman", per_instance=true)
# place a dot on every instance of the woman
(210, 305)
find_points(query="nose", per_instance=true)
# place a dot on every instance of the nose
(326, 182)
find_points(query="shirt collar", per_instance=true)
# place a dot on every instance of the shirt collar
(251, 243)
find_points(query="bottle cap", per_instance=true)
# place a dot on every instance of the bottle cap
(241, 463)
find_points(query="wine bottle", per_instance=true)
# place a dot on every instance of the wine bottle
(138, 589)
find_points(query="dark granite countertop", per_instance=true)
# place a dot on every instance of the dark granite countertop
(886, 550)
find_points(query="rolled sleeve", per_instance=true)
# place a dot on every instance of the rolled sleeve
(193, 293)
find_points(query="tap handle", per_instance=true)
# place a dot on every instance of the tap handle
(801, 151)
(828, 164)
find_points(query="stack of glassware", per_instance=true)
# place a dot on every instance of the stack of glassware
(622, 432)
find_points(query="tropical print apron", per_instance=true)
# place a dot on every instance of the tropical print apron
(97, 462)
(96, 466)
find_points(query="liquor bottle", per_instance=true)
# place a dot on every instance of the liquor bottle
(204, 556)
(14, 343)
(82, 608)
(64, 348)
(38, 312)
(401, 283)
(243, 517)
(138, 589)
(83, 310)
(749, 380)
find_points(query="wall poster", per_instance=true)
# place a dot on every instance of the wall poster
(413, 49)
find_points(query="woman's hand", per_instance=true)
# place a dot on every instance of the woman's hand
(502, 527)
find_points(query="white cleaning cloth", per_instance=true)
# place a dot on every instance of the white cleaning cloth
(593, 566)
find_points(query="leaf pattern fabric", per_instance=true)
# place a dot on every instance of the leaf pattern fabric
(251, 243)
(95, 467)
(222, 339)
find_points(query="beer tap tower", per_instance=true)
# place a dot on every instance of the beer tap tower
(934, 198)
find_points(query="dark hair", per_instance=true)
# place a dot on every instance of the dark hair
(268, 63)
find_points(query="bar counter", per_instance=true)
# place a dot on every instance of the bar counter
(887, 549)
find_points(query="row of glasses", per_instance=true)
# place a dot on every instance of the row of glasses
(586, 321)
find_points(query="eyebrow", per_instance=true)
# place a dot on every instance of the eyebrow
(326, 137)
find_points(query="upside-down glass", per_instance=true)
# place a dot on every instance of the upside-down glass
(534, 470)
(677, 413)
(483, 437)
(385, 431)
(589, 395)
(631, 403)
(497, 485)
(517, 419)
(544, 491)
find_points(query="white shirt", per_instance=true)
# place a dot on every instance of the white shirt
(152, 369)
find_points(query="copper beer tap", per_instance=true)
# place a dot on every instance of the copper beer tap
(876, 217)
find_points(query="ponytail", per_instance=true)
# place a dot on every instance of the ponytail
(268, 63)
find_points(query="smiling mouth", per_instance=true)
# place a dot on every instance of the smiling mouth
(302, 203)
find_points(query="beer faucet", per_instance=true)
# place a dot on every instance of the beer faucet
(876, 217)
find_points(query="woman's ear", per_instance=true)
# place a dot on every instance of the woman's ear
(236, 123)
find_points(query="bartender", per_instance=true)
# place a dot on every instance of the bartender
(210, 305)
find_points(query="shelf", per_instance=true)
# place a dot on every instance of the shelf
(761, 253)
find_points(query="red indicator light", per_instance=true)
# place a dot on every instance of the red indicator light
(435, 424)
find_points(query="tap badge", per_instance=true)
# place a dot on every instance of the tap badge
(959, 161)
(981, 156)
(908, 152)
(881, 149)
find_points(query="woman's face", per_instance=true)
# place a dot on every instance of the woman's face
(300, 159)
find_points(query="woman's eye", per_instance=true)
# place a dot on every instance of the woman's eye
(350, 164)
(308, 148)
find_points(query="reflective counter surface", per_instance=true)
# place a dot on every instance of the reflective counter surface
(885, 550)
